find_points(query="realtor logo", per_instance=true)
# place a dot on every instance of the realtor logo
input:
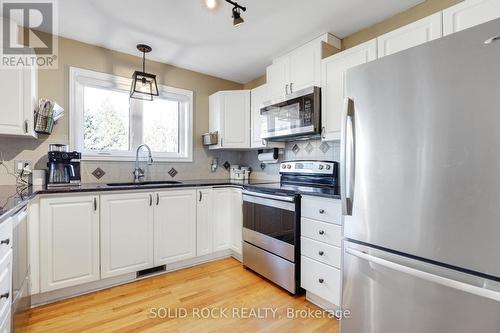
(29, 36)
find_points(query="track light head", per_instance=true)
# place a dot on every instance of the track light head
(237, 19)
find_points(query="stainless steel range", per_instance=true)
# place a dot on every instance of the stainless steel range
(271, 220)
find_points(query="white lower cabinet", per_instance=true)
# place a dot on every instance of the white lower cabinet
(204, 222)
(5, 291)
(236, 220)
(221, 219)
(174, 226)
(320, 249)
(227, 219)
(126, 233)
(85, 238)
(69, 241)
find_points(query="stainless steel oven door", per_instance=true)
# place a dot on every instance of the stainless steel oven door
(297, 115)
(269, 222)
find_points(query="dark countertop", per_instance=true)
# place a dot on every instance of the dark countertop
(13, 198)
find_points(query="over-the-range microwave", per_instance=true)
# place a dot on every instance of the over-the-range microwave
(295, 116)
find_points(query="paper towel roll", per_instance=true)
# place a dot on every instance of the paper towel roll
(267, 158)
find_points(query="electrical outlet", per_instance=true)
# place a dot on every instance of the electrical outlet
(19, 165)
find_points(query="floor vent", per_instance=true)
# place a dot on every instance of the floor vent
(150, 271)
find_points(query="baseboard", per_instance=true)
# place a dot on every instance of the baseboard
(65, 293)
(321, 302)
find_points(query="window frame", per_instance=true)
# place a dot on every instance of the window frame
(80, 78)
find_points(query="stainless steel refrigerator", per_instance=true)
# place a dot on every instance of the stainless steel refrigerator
(421, 188)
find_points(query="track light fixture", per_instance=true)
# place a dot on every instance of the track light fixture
(237, 19)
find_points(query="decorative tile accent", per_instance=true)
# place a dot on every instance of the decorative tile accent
(98, 173)
(309, 148)
(172, 172)
(226, 165)
(324, 147)
(295, 149)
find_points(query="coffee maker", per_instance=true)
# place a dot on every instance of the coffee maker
(64, 167)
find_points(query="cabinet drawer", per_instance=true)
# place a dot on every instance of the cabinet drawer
(5, 283)
(320, 279)
(5, 236)
(321, 231)
(322, 209)
(327, 254)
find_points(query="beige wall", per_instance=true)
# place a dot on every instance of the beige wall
(413, 14)
(255, 83)
(53, 84)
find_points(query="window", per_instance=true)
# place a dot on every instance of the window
(107, 125)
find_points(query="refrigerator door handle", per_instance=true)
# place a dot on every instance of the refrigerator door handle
(465, 287)
(347, 198)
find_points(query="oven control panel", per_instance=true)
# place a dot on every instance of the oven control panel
(309, 167)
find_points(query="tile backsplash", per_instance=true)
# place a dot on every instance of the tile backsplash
(106, 172)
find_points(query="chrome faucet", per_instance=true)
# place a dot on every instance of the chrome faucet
(138, 172)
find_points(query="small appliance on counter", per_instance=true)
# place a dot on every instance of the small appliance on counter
(64, 166)
(239, 173)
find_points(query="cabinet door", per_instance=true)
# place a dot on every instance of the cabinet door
(236, 111)
(204, 225)
(416, 33)
(126, 233)
(236, 204)
(215, 117)
(174, 226)
(278, 77)
(19, 100)
(468, 14)
(305, 67)
(69, 241)
(259, 95)
(221, 218)
(333, 77)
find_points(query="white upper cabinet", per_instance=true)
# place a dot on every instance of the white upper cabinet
(174, 226)
(126, 233)
(230, 117)
(278, 78)
(333, 91)
(468, 14)
(258, 96)
(19, 100)
(69, 241)
(299, 69)
(413, 34)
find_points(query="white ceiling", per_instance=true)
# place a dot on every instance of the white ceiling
(186, 34)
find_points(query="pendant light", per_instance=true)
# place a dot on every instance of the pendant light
(144, 84)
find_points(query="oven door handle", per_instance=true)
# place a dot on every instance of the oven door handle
(269, 196)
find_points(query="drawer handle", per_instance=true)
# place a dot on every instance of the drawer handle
(321, 232)
(5, 241)
(5, 295)
(321, 280)
(321, 253)
(322, 211)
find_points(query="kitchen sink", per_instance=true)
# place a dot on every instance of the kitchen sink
(164, 182)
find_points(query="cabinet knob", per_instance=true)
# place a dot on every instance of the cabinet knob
(321, 232)
(5, 295)
(321, 280)
(321, 253)
(322, 211)
(5, 241)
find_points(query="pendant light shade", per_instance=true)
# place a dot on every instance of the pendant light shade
(144, 84)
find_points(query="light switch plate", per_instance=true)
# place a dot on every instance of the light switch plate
(20, 164)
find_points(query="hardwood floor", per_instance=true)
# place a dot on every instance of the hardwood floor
(215, 286)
